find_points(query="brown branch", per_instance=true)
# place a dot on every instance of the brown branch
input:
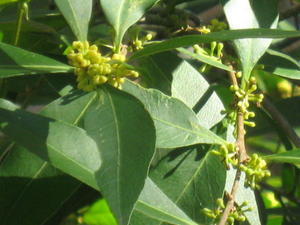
(282, 122)
(242, 156)
(290, 12)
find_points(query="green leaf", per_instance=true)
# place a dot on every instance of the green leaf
(78, 14)
(205, 59)
(192, 178)
(31, 190)
(285, 157)
(189, 40)
(189, 86)
(4, 2)
(23, 184)
(176, 124)
(281, 64)
(181, 80)
(99, 213)
(120, 138)
(242, 14)
(50, 139)
(125, 135)
(121, 14)
(16, 62)
(155, 204)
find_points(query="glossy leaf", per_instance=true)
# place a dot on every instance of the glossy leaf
(189, 40)
(21, 201)
(50, 139)
(186, 176)
(28, 190)
(285, 157)
(78, 14)
(123, 138)
(176, 124)
(190, 86)
(181, 80)
(281, 64)
(205, 59)
(121, 14)
(155, 204)
(242, 14)
(4, 2)
(16, 62)
(102, 115)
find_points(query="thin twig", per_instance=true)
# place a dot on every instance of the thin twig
(242, 156)
(290, 12)
(282, 122)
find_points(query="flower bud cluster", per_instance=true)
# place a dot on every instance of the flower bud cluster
(92, 69)
(138, 44)
(255, 170)
(228, 153)
(245, 96)
(215, 25)
(236, 214)
(215, 50)
(214, 53)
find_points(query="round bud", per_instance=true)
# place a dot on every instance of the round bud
(118, 57)
(230, 220)
(252, 80)
(121, 80)
(93, 48)
(220, 203)
(239, 74)
(241, 218)
(149, 37)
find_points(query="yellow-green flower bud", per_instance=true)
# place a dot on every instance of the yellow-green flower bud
(149, 37)
(219, 49)
(220, 203)
(239, 74)
(118, 57)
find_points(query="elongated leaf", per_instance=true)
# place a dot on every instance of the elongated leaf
(16, 62)
(78, 14)
(121, 138)
(242, 14)
(226, 35)
(24, 182)
(176, 124)
(155, 204)
(189, 86)
(281, 64)
(28, 190)
(181, 80)
(285, 157)
(124, 133)
(192, 180)
(4, 2)
(204, 59)
(50, 139)
(121, 14)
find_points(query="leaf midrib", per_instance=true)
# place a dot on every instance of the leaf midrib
(25, 188)
(118, 150)
(163, 212)
(46, 163)
(191, 131)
